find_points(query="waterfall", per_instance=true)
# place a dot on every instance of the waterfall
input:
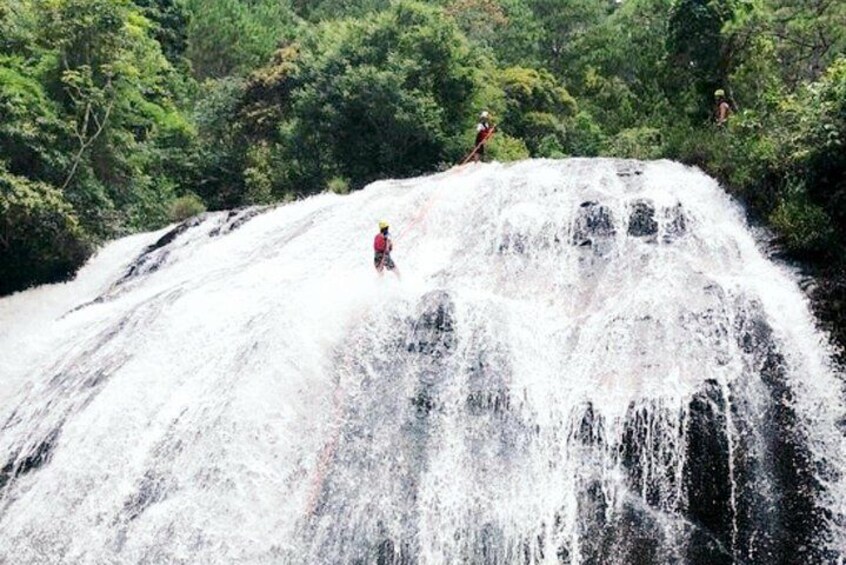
(587, 361)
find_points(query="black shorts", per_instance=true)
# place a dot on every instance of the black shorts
(383, 260)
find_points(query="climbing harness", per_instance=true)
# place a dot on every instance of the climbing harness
(478, 145)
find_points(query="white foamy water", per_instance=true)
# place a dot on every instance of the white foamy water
(585, 361)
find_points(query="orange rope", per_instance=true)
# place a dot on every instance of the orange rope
(339, 395)
(478, 146)
(327, 453)
(424, 211)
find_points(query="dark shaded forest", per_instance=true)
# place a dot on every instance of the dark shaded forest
(121, 115)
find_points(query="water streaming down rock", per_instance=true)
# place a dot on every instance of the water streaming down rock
(586, 362)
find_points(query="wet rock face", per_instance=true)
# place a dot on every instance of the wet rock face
(37, 457)
(154, 255)
(707, 478)
(235, 219)
(676, 223)
(514, 242)
(828, 298)
(433, 332)
(788, 523)
(594, 222)
(151, 489)
(642, 219)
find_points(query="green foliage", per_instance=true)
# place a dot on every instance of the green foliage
(31, 133)
(637, 143)
(40, 238)
(259, 175)
(806, 226)
(222, 154)
(338, 185)
(185, 207)
(385, 96)
(227, 37)
(320, 10)
(610, 101)
(563, 24)
(503, 147)
(697, 48)
(585, 137)
(535, 107)
(268, 93)
(170, 29)
(18, 25)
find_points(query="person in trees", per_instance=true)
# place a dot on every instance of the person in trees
(382, 247)
(484, 130)
(723, 110)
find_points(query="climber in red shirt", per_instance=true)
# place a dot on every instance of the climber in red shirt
(382, 247)
(484, 130)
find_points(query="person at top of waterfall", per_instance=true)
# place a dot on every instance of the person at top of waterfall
(382, 247)
(484, 130)
(723, 109)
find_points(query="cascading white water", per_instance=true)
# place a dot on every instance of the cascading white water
(585, 361)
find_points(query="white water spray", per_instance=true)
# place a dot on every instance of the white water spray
(586, 361)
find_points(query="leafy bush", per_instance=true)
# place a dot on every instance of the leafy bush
(805, 226)
(535, 106)
(338, 185)
(186, 207)
(41, 240)
(584, 136)
(31, 134)
(637, 143)
(503, 147)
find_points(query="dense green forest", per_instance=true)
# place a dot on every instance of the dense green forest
(124, 115)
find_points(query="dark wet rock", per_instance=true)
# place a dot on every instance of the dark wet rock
(7, 472)
(645, 441)
(150, 259)
(36, 458)
(514, 242)
(828, 298)
(784, 524)
(488, 545)
(171, 236)
(704, 549)
(642, 219)
(706, 473)
(591, 427)
(433, 332)
(636, 538)
(592, 521)
(423, 401)
(630, 534)
(487, 384)
(235, 219)
(151, 489)
(483, 401)
(676, 223)
(387, 553)
(593, 222)
(630, 171)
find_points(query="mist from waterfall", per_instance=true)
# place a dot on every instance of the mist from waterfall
(585, 361)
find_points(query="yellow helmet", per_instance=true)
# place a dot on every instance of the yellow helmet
(719, 93)
(383, 224)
